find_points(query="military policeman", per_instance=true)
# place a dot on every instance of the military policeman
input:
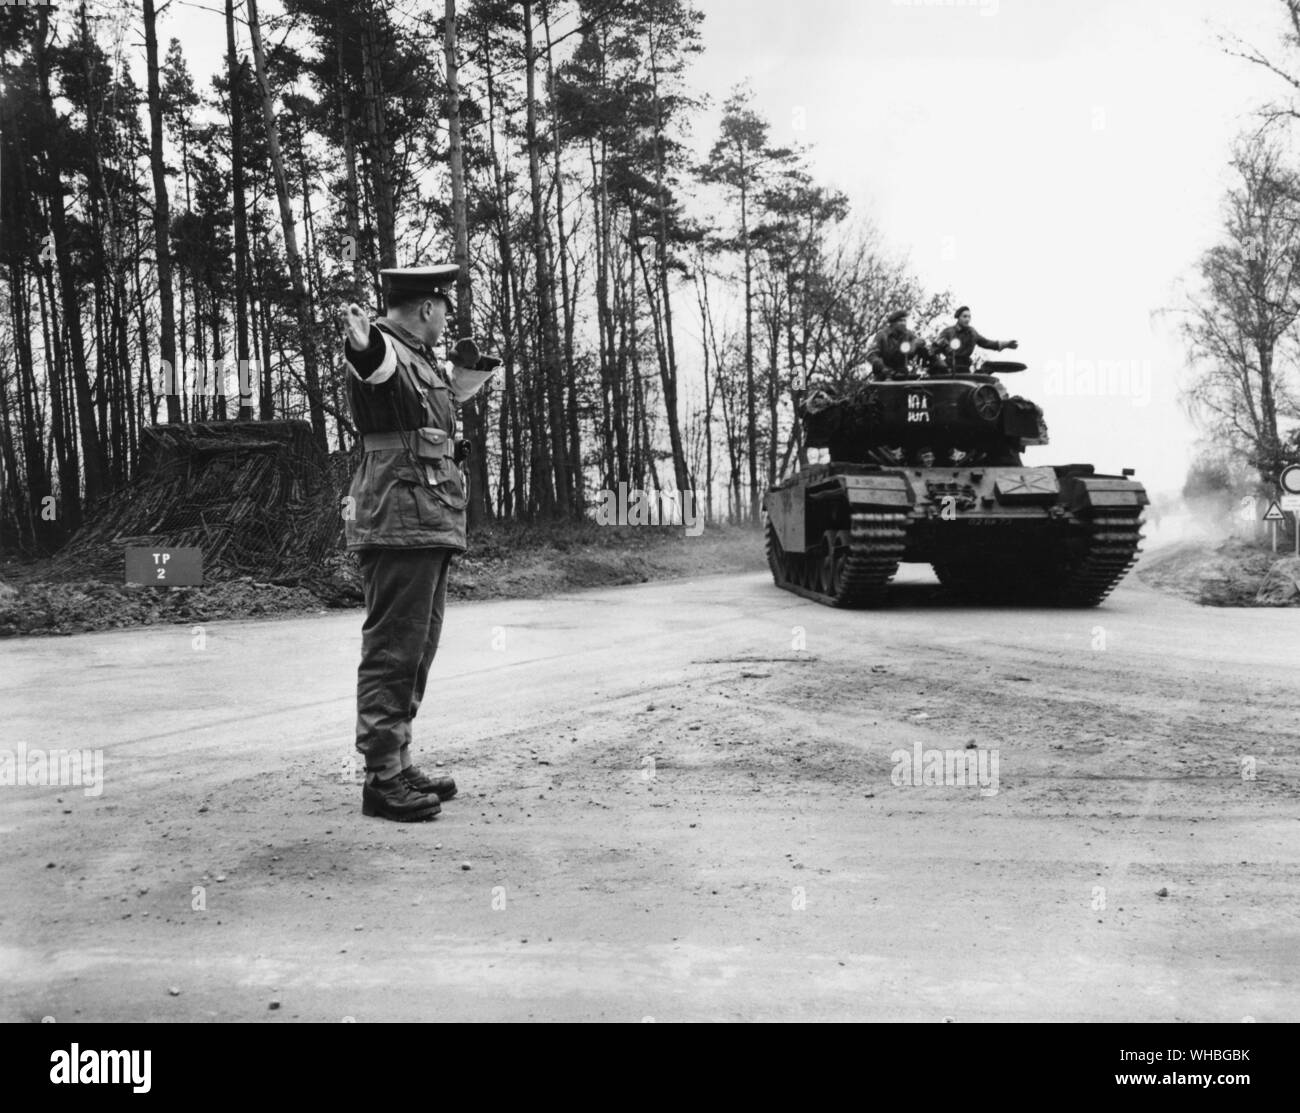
(957, 343)
(893, 346)
(408, 519)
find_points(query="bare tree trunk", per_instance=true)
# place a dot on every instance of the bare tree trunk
(60, 419)
(31, 424)
(120, 407)
(680, 470)
(377, 127)
(570, 373)
(350, 164)
(706, 323)
(306, 339)
(233, 69)
(94, 464)
(604, 325)
(1271, 445)
(183, 335)
(665, 378)
(477, 510)
(146, 369)
(564, 477)
(512, 326)
(161, 216)
(750, 401)
(625, 429)
(773, 377)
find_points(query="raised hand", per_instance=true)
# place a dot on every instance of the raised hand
(356, 324)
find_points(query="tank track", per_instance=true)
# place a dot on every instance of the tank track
(1111, 550)
(866, 558)
(1081, 576)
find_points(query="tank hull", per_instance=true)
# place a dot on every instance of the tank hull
(1062, 535)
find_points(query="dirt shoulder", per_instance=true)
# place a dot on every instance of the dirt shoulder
(1232, 573)
(505, 561)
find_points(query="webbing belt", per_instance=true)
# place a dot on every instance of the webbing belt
(427, 444)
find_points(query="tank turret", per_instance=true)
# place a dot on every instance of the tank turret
(972, 414)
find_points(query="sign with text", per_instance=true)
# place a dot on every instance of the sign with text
(164, 567)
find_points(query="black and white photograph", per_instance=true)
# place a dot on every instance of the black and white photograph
(658, 512)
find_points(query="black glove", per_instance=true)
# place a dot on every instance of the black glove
(462, 451)
(466, 354)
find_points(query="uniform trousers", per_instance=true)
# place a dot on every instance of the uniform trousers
(406, 594)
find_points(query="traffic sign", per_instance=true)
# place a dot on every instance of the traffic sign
(164, 567)
(1291, 503)
(1289, 480)
(1272, 516)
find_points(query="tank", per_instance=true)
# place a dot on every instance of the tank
(929, 470)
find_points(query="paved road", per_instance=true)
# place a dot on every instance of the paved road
(679, 801)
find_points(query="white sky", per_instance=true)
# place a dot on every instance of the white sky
(1087, 147)
(1057, 164)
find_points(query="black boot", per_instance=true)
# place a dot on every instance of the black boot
(396, 799)
(442, 787)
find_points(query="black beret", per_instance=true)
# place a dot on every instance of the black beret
(897, 315)
(963, 309)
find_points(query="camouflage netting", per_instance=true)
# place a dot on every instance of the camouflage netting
(259, 499)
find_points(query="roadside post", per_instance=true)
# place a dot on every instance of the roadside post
(1289, 481)
(1272, 516)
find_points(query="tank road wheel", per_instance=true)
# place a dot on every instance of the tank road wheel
(833, 563)
(817, 578)
(875, 546)
(847, 568)
(811, 571)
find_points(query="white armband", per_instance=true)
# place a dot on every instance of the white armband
(383, 372)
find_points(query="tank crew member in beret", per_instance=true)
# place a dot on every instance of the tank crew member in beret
(406, 521)
(957, 343)
(893, 346)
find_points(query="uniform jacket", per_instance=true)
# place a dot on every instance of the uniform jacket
(968, 340)
(885, 354)
(411, 496)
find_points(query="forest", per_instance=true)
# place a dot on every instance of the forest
(176, 246)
